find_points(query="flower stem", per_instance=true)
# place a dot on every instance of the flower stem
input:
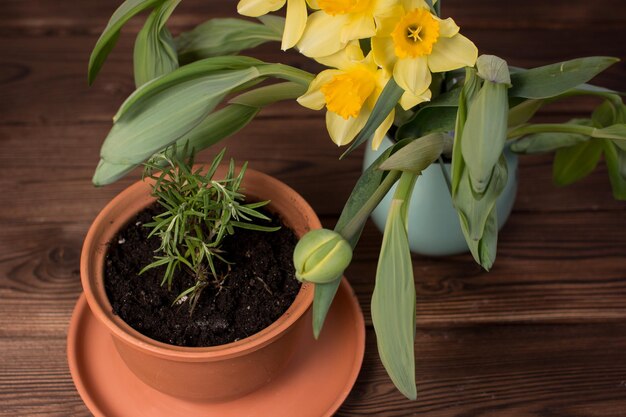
(446, 176)
(354, 225)
(404, 191)
(524, 130)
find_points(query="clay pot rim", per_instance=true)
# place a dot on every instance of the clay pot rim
(102, 309)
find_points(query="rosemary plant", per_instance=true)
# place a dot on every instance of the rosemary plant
(199, 212)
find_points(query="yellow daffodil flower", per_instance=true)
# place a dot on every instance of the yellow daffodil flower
(338, 22)
(349, 92)
(411, 43)
(296, 17)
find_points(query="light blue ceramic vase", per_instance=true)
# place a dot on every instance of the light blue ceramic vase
(434, 227)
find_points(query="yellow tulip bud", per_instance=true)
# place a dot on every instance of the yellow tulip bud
(321, 256)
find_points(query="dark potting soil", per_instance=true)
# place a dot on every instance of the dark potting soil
(259, 288)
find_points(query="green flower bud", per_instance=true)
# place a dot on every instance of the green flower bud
(321, 256)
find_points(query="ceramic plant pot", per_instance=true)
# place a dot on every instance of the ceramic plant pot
(204, 374)
(434, 226)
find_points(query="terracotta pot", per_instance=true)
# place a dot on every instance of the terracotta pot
(204, 374)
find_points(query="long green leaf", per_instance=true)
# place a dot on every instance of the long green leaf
(261, 97)
(217, 126)
(616, 164)
(218, 37)
(393, 301)
(155, 53)
(189, 72)
(523, 112)
(286, 72)
(617, 132)
(552, 80)
(163, 118)
(384, 105)
(575, 162)
(417, 155)
(411, 128)
(109, 36)
(550, 142)
(546, 142)
(429, 120)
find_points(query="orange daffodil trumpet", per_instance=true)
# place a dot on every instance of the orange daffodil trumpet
(295, 22)
(411, 42)
(349, 92)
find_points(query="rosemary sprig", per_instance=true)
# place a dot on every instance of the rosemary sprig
(199, 212)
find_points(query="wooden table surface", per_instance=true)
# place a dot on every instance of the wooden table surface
(543, 334)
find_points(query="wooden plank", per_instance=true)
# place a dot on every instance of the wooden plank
(572, 370)
(58, 67)
(35, 379)
(486, 13)
(555, 267)
(55, 164)
(502, 371)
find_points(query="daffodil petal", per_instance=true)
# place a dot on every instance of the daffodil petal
(408, 100)
(294, 23)
(382, 130)
(382, 7)
(387, 20)
(410, 5)
(359, 26)
(314, 98)
(322, 36)
(345, 58)
(343, 131)
(412, 74)
(383, 51)
(255, 8)
(447, 27)
(313, 4)
(452, 53)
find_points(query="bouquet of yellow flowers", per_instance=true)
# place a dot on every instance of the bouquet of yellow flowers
(392, 66)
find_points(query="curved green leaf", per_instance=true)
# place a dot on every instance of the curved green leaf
(261, 97)
(575, 162)
(546, 142)
(429, 120)
(218, 37)
(550, 141)
(523, 112)
(162, 119)
(616, 165)
(155, 54)
(183, 74)
(393, 299)
(417, 155)
(552, 80)
(109, 36)
(217, 126)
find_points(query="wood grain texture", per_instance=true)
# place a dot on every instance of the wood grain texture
(540, 335)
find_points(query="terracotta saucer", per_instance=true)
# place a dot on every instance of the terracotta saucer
(316, 382)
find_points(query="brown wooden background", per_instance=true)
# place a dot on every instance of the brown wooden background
(543, 334)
